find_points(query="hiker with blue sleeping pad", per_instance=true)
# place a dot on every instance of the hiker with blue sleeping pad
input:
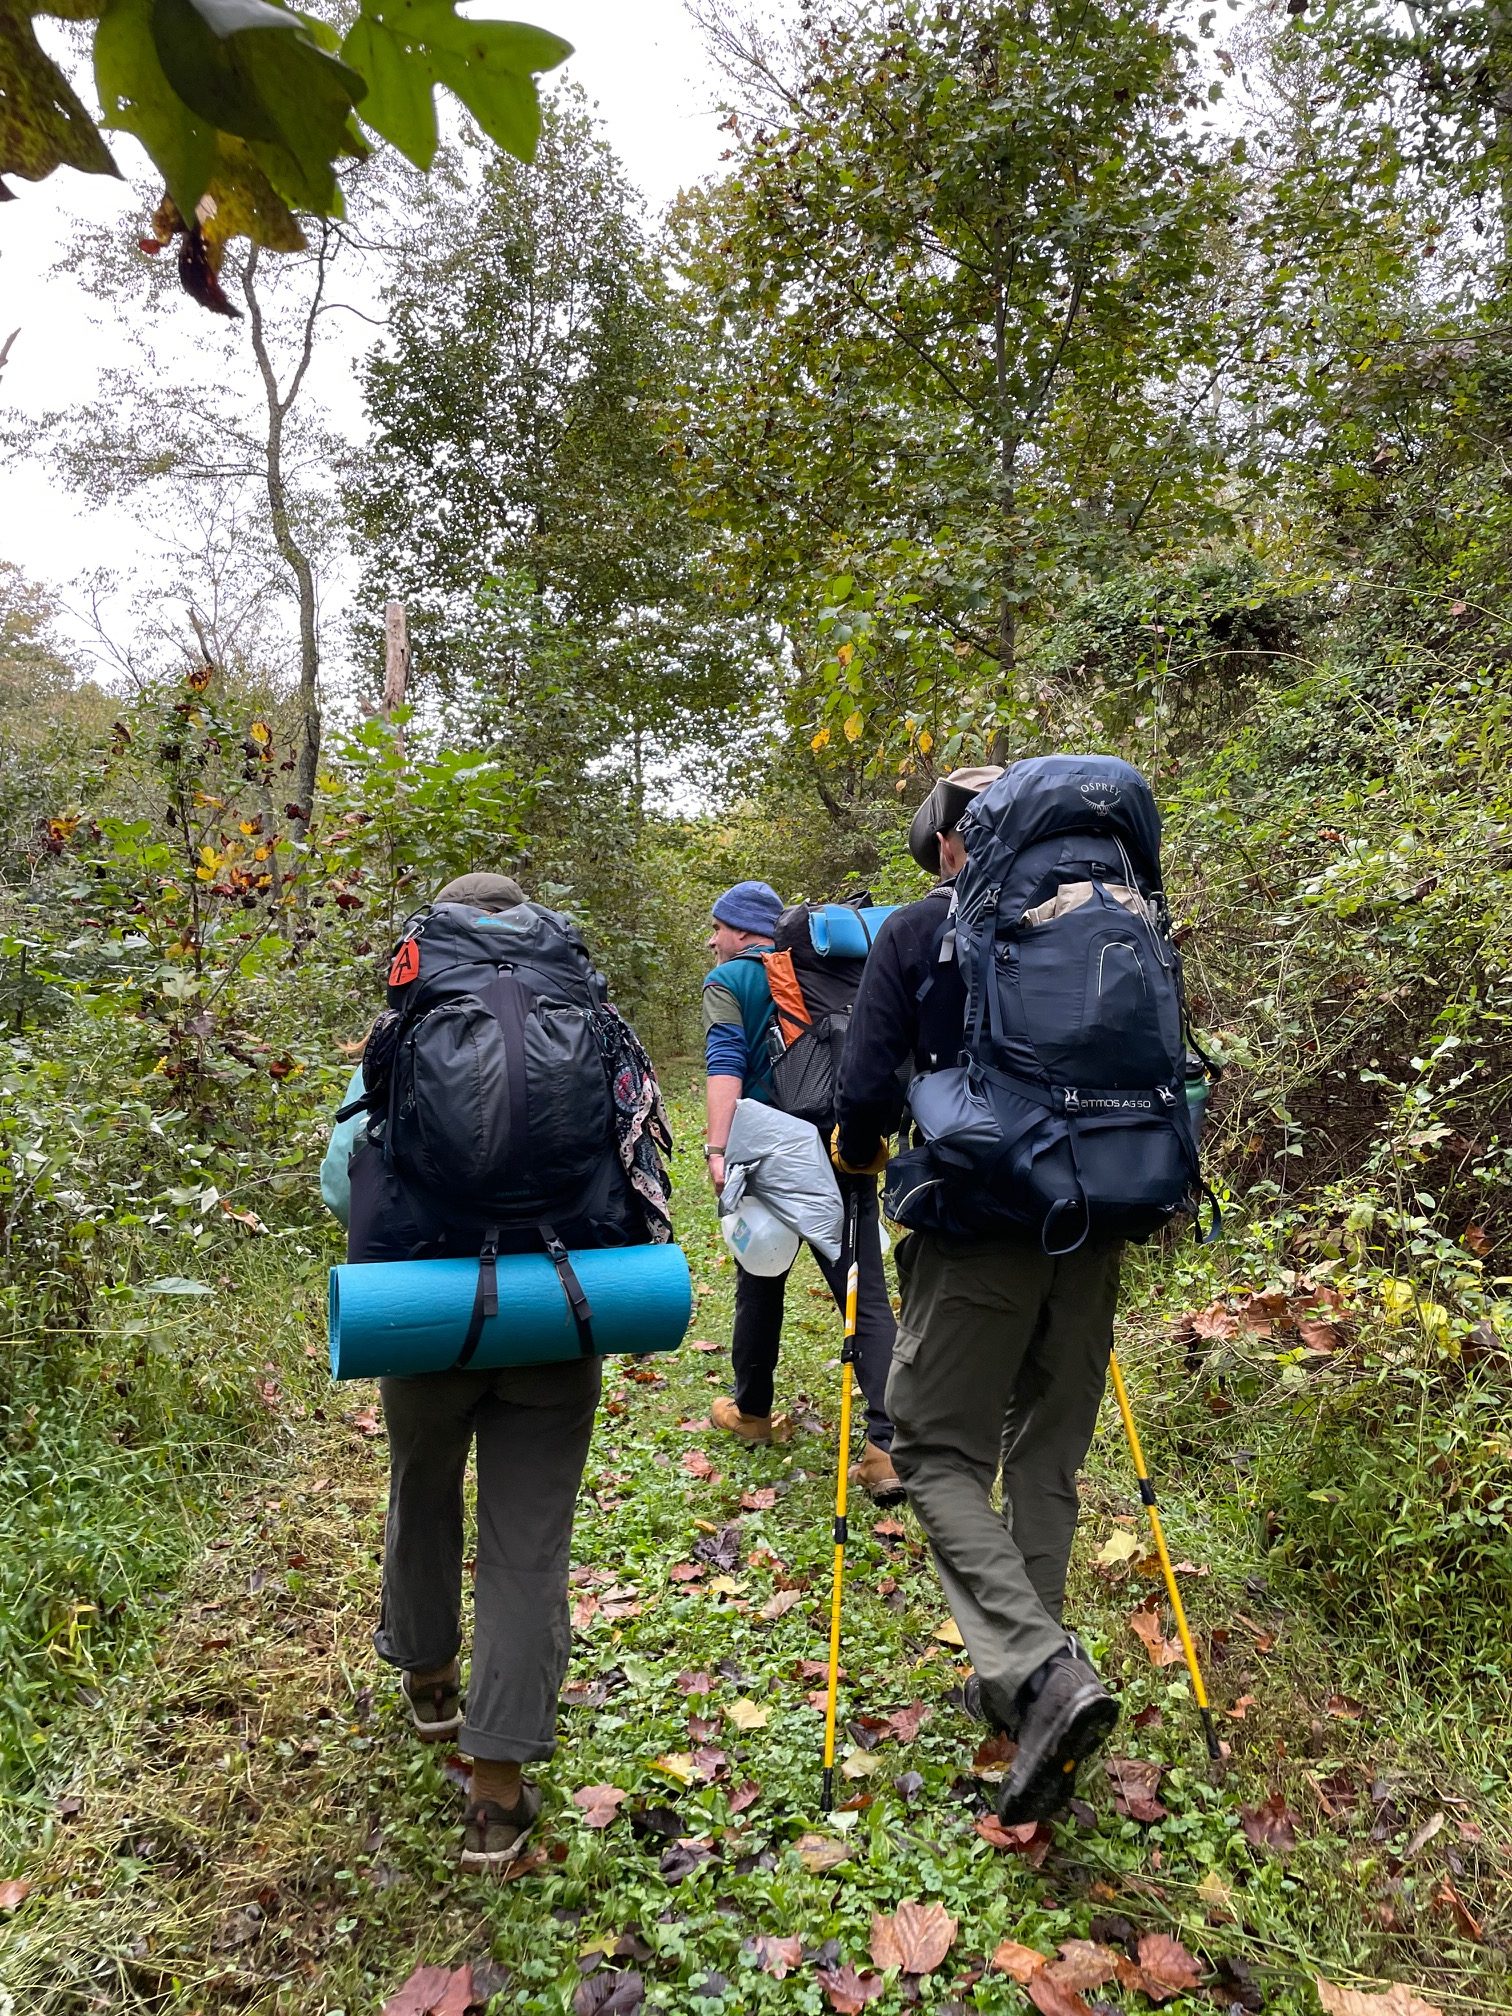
(775, 1010)
(502, 1107)
(1032, 1002)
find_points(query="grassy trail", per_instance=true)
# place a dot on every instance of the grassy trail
(254, 1830)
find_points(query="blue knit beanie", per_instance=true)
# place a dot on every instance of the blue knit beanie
(749, 906)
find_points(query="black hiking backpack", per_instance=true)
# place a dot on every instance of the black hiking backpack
(814, 975)
(491, 1124)
(1067, 1115)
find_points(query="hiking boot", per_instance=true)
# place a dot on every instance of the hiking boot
(1068, 1715)
(974, 1700)
(747, 1428)
(877, 1478)
(494, 1835)
(434, 1703)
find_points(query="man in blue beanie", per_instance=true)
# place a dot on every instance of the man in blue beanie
(738, 1014)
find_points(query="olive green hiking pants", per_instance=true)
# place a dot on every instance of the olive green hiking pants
(532, 1426)
(1000, 1363)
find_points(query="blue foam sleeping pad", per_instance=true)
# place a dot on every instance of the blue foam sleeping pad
(841, 931)
(402, 1316)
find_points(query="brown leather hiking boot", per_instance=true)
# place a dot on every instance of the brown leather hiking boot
(876, 1476)
(747, 1428)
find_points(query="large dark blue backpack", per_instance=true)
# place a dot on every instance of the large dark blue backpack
(492, 1124)
(1067, 1116)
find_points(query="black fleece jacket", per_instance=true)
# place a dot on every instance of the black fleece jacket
(893, 1033)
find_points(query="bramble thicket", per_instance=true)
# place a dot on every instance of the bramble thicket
(1029, 377)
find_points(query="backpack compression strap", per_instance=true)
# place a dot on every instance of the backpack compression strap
(572, 1288)
(485, 1297)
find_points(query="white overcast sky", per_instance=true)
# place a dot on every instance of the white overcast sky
(640, 61)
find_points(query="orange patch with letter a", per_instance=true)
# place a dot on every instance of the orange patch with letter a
(405, 965)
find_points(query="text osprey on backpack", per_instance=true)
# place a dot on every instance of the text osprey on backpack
(1067, 1115)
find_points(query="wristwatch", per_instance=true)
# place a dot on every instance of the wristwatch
(710, 1150)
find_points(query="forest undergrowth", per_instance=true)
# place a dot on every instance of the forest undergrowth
(238, 1820)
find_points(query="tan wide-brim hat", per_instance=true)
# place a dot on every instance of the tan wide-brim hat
(942, 809)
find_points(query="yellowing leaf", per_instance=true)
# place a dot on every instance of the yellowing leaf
(949, 1633)
(746, 1715)
(1121, 1545)
(677, 1764)
(860, 1764)
(846, 653)
(852, 726)
(926, 741)
(818, 1852)
(820, 741)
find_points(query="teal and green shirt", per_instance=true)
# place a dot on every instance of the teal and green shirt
(738, 1011)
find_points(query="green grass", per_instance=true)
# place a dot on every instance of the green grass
(259, 1834)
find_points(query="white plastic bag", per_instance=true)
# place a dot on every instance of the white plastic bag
(782, 1162)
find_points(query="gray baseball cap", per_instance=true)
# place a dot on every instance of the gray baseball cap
(483, 891)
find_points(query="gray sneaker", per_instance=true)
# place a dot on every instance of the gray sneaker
(1071, 1716)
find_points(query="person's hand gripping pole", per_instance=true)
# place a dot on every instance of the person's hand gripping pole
(842, 1471)
(1178, 1609)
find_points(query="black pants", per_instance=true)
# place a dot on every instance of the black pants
(758, 1324)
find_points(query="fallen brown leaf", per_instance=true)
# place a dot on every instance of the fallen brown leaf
(697, 1464)
(846, 1991)
(1166, 1966)
(818, 1852)
(780, 1604)
(14, 1893)
(1031, 1838)
(915, 1938)
(758, 1501)
(1136, 1785)
(1163, 1651)
(1082, 1964)
(1344, 1707)
(703, 1344)
(1022, 1962)
(777, 1957)
(600, 1803)
(1051, 1999)
(432, 1991)
(1393, 2001)
(1270, 1825)
(904, 1723)
(1446, 1896)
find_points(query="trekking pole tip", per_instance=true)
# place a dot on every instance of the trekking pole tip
(827, 1791)
(1210, 1736)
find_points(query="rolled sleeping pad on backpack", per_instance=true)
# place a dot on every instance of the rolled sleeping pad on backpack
(841, 931)
(397, 1317)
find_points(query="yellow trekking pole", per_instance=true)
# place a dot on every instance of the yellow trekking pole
(1147, 1497)
(847, 1363)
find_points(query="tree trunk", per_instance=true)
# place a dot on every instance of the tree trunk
(396, 664)
(1007, 504)
(290, 551)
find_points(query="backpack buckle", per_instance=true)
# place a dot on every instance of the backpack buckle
(1165, 1095)
(1071, 1099)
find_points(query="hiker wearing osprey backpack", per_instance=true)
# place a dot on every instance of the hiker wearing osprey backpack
(501, 1107)
(1035, 996)
(783, 1054)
